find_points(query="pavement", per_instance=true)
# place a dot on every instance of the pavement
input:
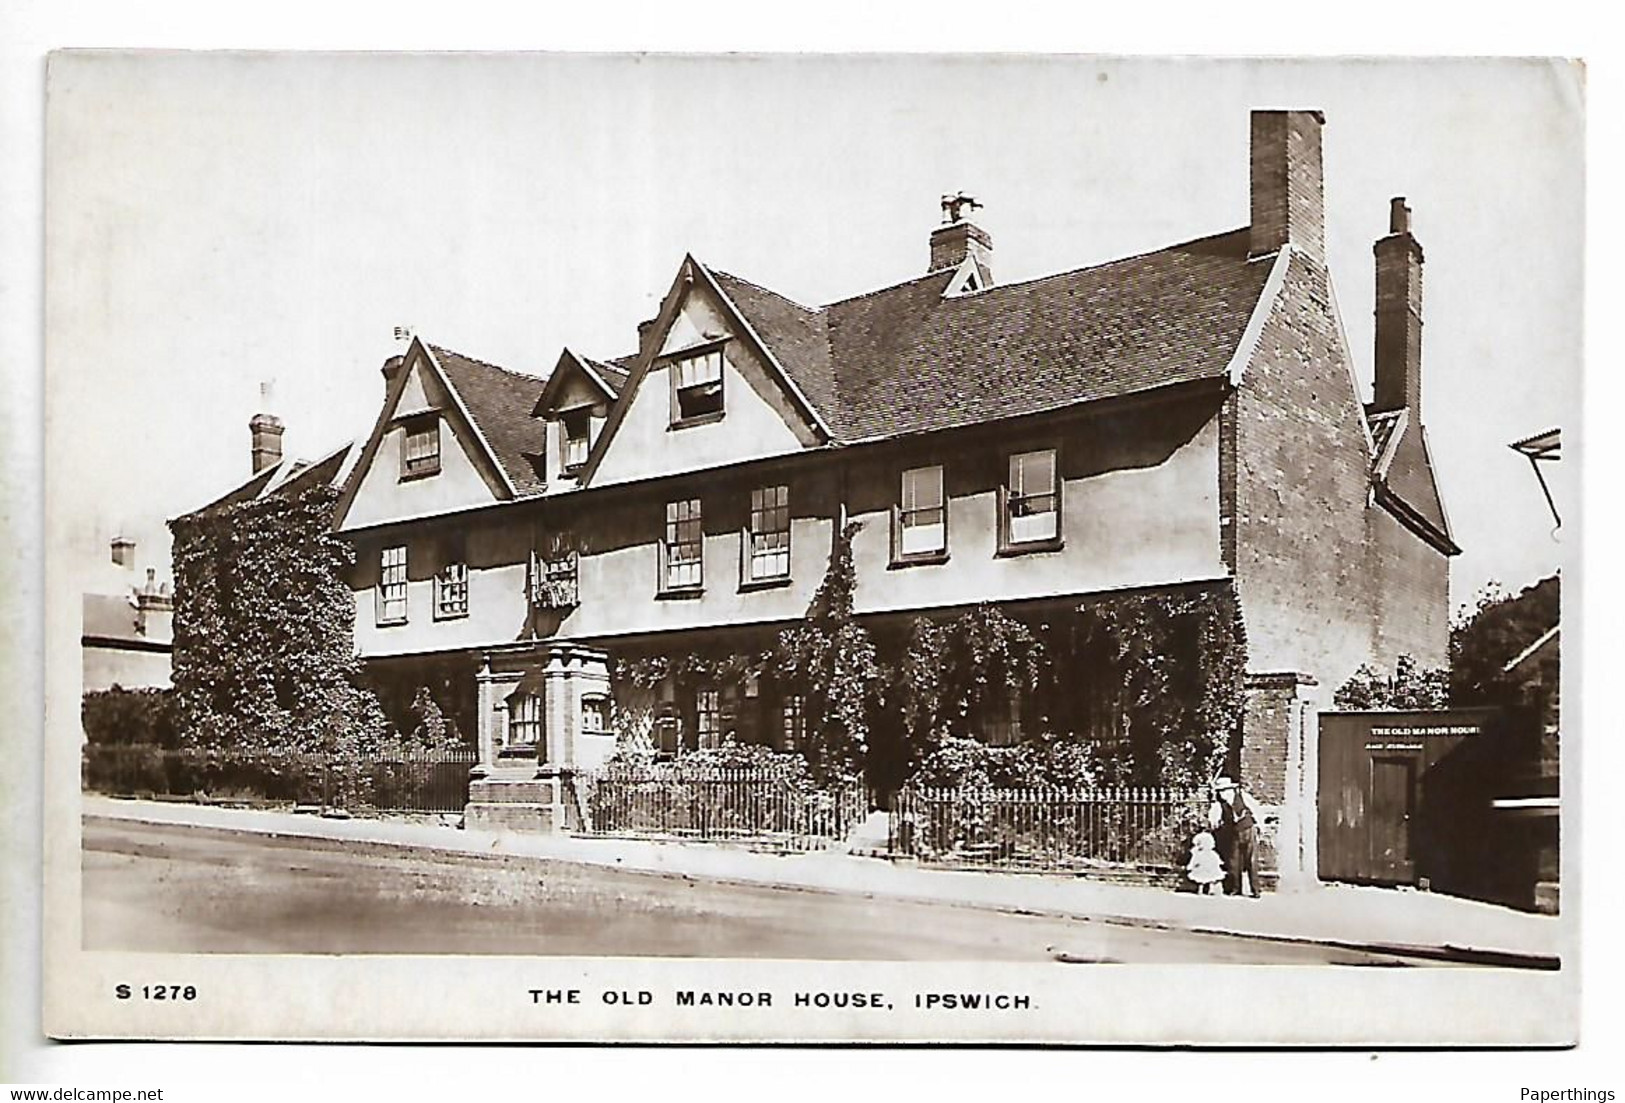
(1398, 921)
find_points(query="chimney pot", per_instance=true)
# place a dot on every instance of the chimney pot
(1399, 216)
(958, 238)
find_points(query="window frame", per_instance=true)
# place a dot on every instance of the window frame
(1008, 544)
(515, 723)
(669, 529)
(601, 702)
(899, 557)
(674, 362)
(418, 425)
(708, 739)
(454, 555)
(748, 557)
(584, 413)
(792, 723)
(381, 600)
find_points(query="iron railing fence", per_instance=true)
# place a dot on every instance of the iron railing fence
(764, 808)
(1048, 829)
(404, 782)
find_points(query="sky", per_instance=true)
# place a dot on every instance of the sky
(228, 234)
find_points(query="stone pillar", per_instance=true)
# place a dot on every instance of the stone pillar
(1280, 766)
(493, 689)
(572, 672)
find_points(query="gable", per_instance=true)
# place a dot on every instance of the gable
(760, 414)
(379, 492)
(1407, 488)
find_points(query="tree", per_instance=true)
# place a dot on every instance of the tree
(1410, 686)
(264, 656)
(1498, 628)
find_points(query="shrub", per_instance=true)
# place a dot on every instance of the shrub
(119, 717)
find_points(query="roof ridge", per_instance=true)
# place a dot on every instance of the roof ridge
(1035, 279)
(441, 349)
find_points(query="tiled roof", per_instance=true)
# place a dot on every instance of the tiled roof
(500, 402)
(797, 337)
(323, 472)
(906, 360)
(613, 372)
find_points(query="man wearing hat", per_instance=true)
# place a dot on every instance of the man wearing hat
(1235, 817)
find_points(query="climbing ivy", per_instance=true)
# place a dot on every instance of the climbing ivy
(952, 676)
(1176, 664)
(264, 648)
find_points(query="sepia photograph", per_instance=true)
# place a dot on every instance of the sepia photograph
(841, 548)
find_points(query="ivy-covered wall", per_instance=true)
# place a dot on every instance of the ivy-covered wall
(264, 655)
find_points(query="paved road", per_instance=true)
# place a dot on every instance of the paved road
(160, 888)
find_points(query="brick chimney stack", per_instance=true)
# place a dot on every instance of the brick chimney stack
(123, 551)
(266, 432)
(1399, 315)
(1288, 203)
(958, 237)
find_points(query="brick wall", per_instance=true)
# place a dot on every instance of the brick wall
(1412, 592)
(1301, 466)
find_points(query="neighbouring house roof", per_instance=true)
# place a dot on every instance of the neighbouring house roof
(906, 359)
(116, 621)
(1536, 652)
(499, 402)
(1402, 472)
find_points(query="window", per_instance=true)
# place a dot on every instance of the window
(451, 590)
(576, 435)
(708, 718)
(1032, 508)
(392, 586)
(697, 387)
(921, 530)
(524, 720)
(1000, 719)
(682, 549)
(769, 537)
(420, 453)
(793, 724)
(595, 715)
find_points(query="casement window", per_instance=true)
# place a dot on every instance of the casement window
(920, 520)
(768, 539)
(451, 589)
(575, 435)
(793, 723)
(1030, 514)
(420, 450)
(524, 720)
(708, 718)
(682, 549)
(391, 603)
(696, 383)
(595, 715)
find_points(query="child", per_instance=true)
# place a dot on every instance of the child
(1205, 868)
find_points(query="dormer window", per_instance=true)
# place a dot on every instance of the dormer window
(575, 431)
(696, 381)
(420, 450)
